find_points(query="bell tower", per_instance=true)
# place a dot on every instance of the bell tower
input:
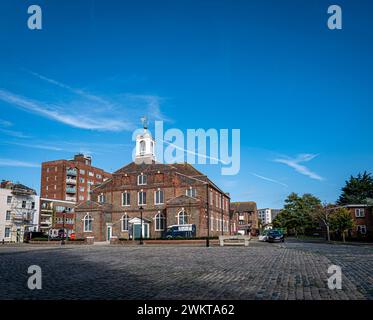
(145, 145)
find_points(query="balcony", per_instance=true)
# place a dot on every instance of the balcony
(70, 180)
(71, 172)
(70, 190)
(68, 198)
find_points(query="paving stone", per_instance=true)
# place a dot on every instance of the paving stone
(292, 270)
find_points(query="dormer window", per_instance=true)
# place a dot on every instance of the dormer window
(141, 179)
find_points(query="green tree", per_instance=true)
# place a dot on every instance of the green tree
(324, 214)
(341, 221)
(297, 214)
(357, 190)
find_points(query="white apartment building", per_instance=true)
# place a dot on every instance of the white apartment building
(19, 211)
(267, 215)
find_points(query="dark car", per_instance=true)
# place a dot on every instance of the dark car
(181, 231)
(274, 236)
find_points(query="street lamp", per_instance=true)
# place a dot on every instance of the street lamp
(141, 240)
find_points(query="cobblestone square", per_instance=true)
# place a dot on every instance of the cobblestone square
(292, 270)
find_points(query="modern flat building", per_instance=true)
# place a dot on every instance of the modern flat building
(56, 216)
(70, 180)
(146, 197)
(244, 218)
(19, 211)
(267, 215)
(64, 183)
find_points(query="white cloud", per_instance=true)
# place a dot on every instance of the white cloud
(302, 169)
(84, 110)
(5, 123)
(62, 114)
(17, 163)
(12, 133)
(269, 179)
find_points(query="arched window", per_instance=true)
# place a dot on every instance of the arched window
(152, 147)
(159, 222)
(87, 222)
(142, 147)
(125, 220)
(182, 217)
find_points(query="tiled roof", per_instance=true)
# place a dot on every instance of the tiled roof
(243, 206)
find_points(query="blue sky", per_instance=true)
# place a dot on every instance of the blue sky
(300, 93)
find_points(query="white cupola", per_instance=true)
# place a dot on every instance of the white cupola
(145, 146)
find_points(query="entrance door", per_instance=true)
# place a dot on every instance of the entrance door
(136, 231)
(108, 236)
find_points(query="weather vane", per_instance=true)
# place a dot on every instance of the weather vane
(144, 121)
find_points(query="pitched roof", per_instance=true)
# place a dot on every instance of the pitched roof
(243, 206)
(184, 169)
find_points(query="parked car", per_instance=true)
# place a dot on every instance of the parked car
(275, 235)
(181, 231)
(263, 236)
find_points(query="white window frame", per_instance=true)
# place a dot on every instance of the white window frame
(10, 232)
(184, 215)
(101, 196)
(142, 198)
(140, 179)
(190, 190)
(159, 218)
(362, 226)
(159, 191)
(126, 196)
(88, 218)
(6, 215)
(359, 213)
(211, 223)
(124, 222)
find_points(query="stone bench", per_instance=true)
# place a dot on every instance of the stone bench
(238, 240)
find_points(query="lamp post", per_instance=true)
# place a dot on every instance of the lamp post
(141, 240)
(63, 227)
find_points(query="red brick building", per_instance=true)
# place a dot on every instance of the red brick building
(169, 194)
(363, 218)
(244, 217)
(70, 180)
(63, 184)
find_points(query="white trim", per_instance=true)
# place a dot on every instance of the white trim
(155, 197)
(122, 222)
(138, 199)
(84, 220)
(161, 215)
(129, 198)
